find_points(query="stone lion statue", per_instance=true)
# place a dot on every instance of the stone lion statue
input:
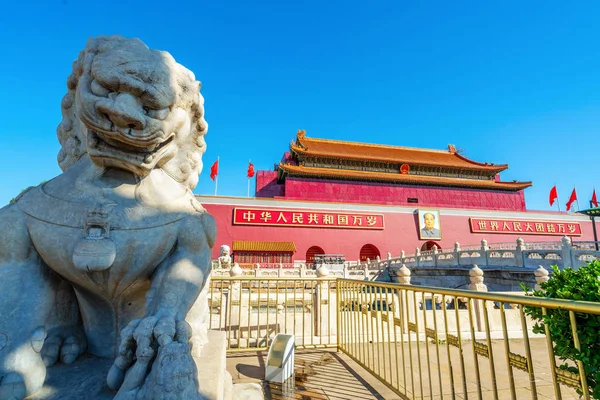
(112, 256)
(224, 255)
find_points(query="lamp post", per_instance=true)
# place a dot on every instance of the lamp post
(592, 213)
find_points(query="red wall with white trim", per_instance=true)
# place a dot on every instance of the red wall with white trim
(400, 232)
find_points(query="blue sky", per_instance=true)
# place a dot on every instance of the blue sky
(508, 82)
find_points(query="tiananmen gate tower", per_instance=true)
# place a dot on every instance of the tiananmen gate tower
(361, 200)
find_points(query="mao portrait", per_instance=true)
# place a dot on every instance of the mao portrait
(429, 225)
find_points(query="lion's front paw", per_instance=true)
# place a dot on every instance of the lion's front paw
(142, 337)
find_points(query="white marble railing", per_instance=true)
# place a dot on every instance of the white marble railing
(347, 270)
(563, 253)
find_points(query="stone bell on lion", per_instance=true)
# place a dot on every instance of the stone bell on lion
(112, 257)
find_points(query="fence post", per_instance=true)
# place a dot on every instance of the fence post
(238, 318)
(541, 276)
(321, 300)
(477, 285)
(567, 252)
(520, 254)
(456, 254)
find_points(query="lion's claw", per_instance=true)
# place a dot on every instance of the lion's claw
(141, 338)
(66, 347)
(51, 350)
(70, 350)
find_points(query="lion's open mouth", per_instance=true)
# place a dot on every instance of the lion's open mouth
(111, 146)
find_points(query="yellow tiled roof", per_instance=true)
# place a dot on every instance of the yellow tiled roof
(367, 151)
(245, 245)
(300, 170)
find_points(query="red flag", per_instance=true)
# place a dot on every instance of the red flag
(553, 195)
(594, 199)
(250, 170)
(214, 170)
(571, 199)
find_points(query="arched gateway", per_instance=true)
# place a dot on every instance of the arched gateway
(369, 251)
(429, 245)
(311, 252)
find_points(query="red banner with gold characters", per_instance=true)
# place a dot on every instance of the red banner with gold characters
(306, 219)
(524, 227)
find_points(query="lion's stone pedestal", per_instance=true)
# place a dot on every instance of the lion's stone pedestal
(215, 381)
(86, 379)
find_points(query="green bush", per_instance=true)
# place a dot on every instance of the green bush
(582, 284)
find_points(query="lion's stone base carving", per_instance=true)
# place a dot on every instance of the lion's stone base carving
(86, 378)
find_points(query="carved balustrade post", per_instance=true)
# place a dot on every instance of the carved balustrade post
(477, 285)
(418, 256)
(346, 270)
(404, 275)
(476, 277)
(237, 317)
(402, 256)
(519, 253)
(456, 254)
(302, 270)
(541, 276)
(485, 249)
(280, 271)
(257, 270)
(567, 253)
(407, 312)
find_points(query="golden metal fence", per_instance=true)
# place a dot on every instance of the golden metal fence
(251, 310)
(426, 342)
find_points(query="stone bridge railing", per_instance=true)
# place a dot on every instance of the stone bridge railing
(366, 271)
(563, 253)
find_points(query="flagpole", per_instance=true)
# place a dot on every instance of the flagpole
(248, 180)
(217, 177)
(576, 198)
(557, 199)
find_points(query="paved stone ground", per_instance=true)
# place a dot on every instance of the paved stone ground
(330, 375)
(318, 375)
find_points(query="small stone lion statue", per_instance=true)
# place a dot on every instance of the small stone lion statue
(225, 256)
(113, 256)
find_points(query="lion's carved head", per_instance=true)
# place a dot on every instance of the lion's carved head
(133, 108)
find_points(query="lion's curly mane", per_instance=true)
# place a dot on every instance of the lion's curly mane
(71, 131)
